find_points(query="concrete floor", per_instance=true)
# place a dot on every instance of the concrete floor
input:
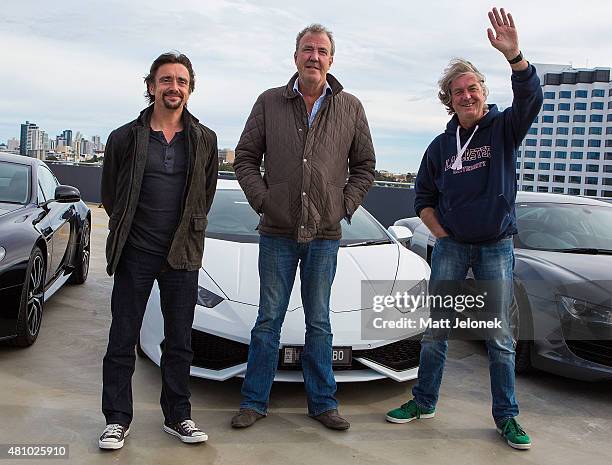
(50, 393)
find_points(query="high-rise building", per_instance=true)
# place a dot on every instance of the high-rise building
(568, 149)
(25, 137)
(95, 140)
(226, 156)
(12, 145)
(67, 135)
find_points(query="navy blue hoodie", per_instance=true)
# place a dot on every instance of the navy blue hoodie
(476, 203)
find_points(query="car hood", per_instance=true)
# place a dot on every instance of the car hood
(9, 207)
(579, 266)
(233, 267)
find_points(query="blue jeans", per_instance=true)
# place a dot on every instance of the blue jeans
(278, 261)
(450, 261)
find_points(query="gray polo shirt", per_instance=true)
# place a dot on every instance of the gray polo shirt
(161, 194)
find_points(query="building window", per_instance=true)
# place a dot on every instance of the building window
(559, 166)
(549, 95)
(597, 106)
(609, 128)
(578, 130)
(610, 105)
(596, 130)
(548, 131)
(533, 131)
(565, 107)
(581, 94)
(561, 154)
(590, 180)
(535, 120)
(608, 156)
(594, 143)
(557, 190)
(607, 181)
(577, 143)
(531, 142)
(573, 191)
(544, 153)
(562, 131)
(548, 107)
(558, 178)
(542, 189)
(579, 119)
(529, 165)
(608, 142)
(606, 194)
(530, 154)
(607, 168)
(528, 177)
(596, 118)
(518, 176)
(546, 178)
(543, 166)
(561, 142)
(576, 155)
(565, 94)
(575, 180)
(593, 156)
(563, 119)
(609, 117)
(598, 93)
(518, 165)
(548, 119)
(590, 192)
(575, 167)
(546, 142)
(581, 106)
(528, 188)
(592, 168)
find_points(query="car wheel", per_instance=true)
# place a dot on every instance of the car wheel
(520, 321)
(79, 275)
(32, 301)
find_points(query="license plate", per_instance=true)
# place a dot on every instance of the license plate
(291, 356)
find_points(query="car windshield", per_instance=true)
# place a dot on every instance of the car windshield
(231, 218)
(14, 183)
(563, 227)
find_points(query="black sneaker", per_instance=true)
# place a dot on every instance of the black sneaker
(186, 431)
(113, 436)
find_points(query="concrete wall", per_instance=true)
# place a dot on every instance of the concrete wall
(387, 204)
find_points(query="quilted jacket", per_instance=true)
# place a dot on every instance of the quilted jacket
(314, 176)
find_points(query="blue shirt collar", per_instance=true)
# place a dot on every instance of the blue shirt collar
(327, 90)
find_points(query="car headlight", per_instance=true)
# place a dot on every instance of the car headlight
(2, 253)
(586, 311)
(207, 298)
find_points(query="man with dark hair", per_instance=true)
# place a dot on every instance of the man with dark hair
(158, 183)
(465, 193)
(319, 164)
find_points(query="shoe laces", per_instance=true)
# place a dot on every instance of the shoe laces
(189, 426)
(513, 425)
(113, 430)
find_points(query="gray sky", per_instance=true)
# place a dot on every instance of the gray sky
(79, 64)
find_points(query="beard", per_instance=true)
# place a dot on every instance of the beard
(172, 105)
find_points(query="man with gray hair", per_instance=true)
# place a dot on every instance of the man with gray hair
(319, 164)
(465, 193)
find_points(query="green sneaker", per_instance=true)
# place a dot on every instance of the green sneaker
(514, 435)
(408, 412)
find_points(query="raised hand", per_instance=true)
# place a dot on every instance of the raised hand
(505, 38)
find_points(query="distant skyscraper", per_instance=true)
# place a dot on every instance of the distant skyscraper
(12, 145)
(67, 135)
(568, 149)
(25, 137)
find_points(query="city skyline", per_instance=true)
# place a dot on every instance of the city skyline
(72, 67)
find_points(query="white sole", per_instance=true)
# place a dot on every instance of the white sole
(186, 439)
(398, 420)
(113, 445)
(513, 445)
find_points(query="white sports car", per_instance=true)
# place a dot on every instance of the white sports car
(228, 296)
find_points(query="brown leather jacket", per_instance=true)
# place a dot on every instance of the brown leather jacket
(314, 176)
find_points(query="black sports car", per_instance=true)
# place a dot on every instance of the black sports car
(44, 242)
(562, 313)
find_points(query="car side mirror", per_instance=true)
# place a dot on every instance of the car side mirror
(401, 233)
(67, 194)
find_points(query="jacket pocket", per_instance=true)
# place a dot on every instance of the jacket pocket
(481, 220)
(199, 223)
(335, 209)
(277, 206)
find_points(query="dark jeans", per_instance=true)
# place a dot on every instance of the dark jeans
(278, 261)
(134, 277)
